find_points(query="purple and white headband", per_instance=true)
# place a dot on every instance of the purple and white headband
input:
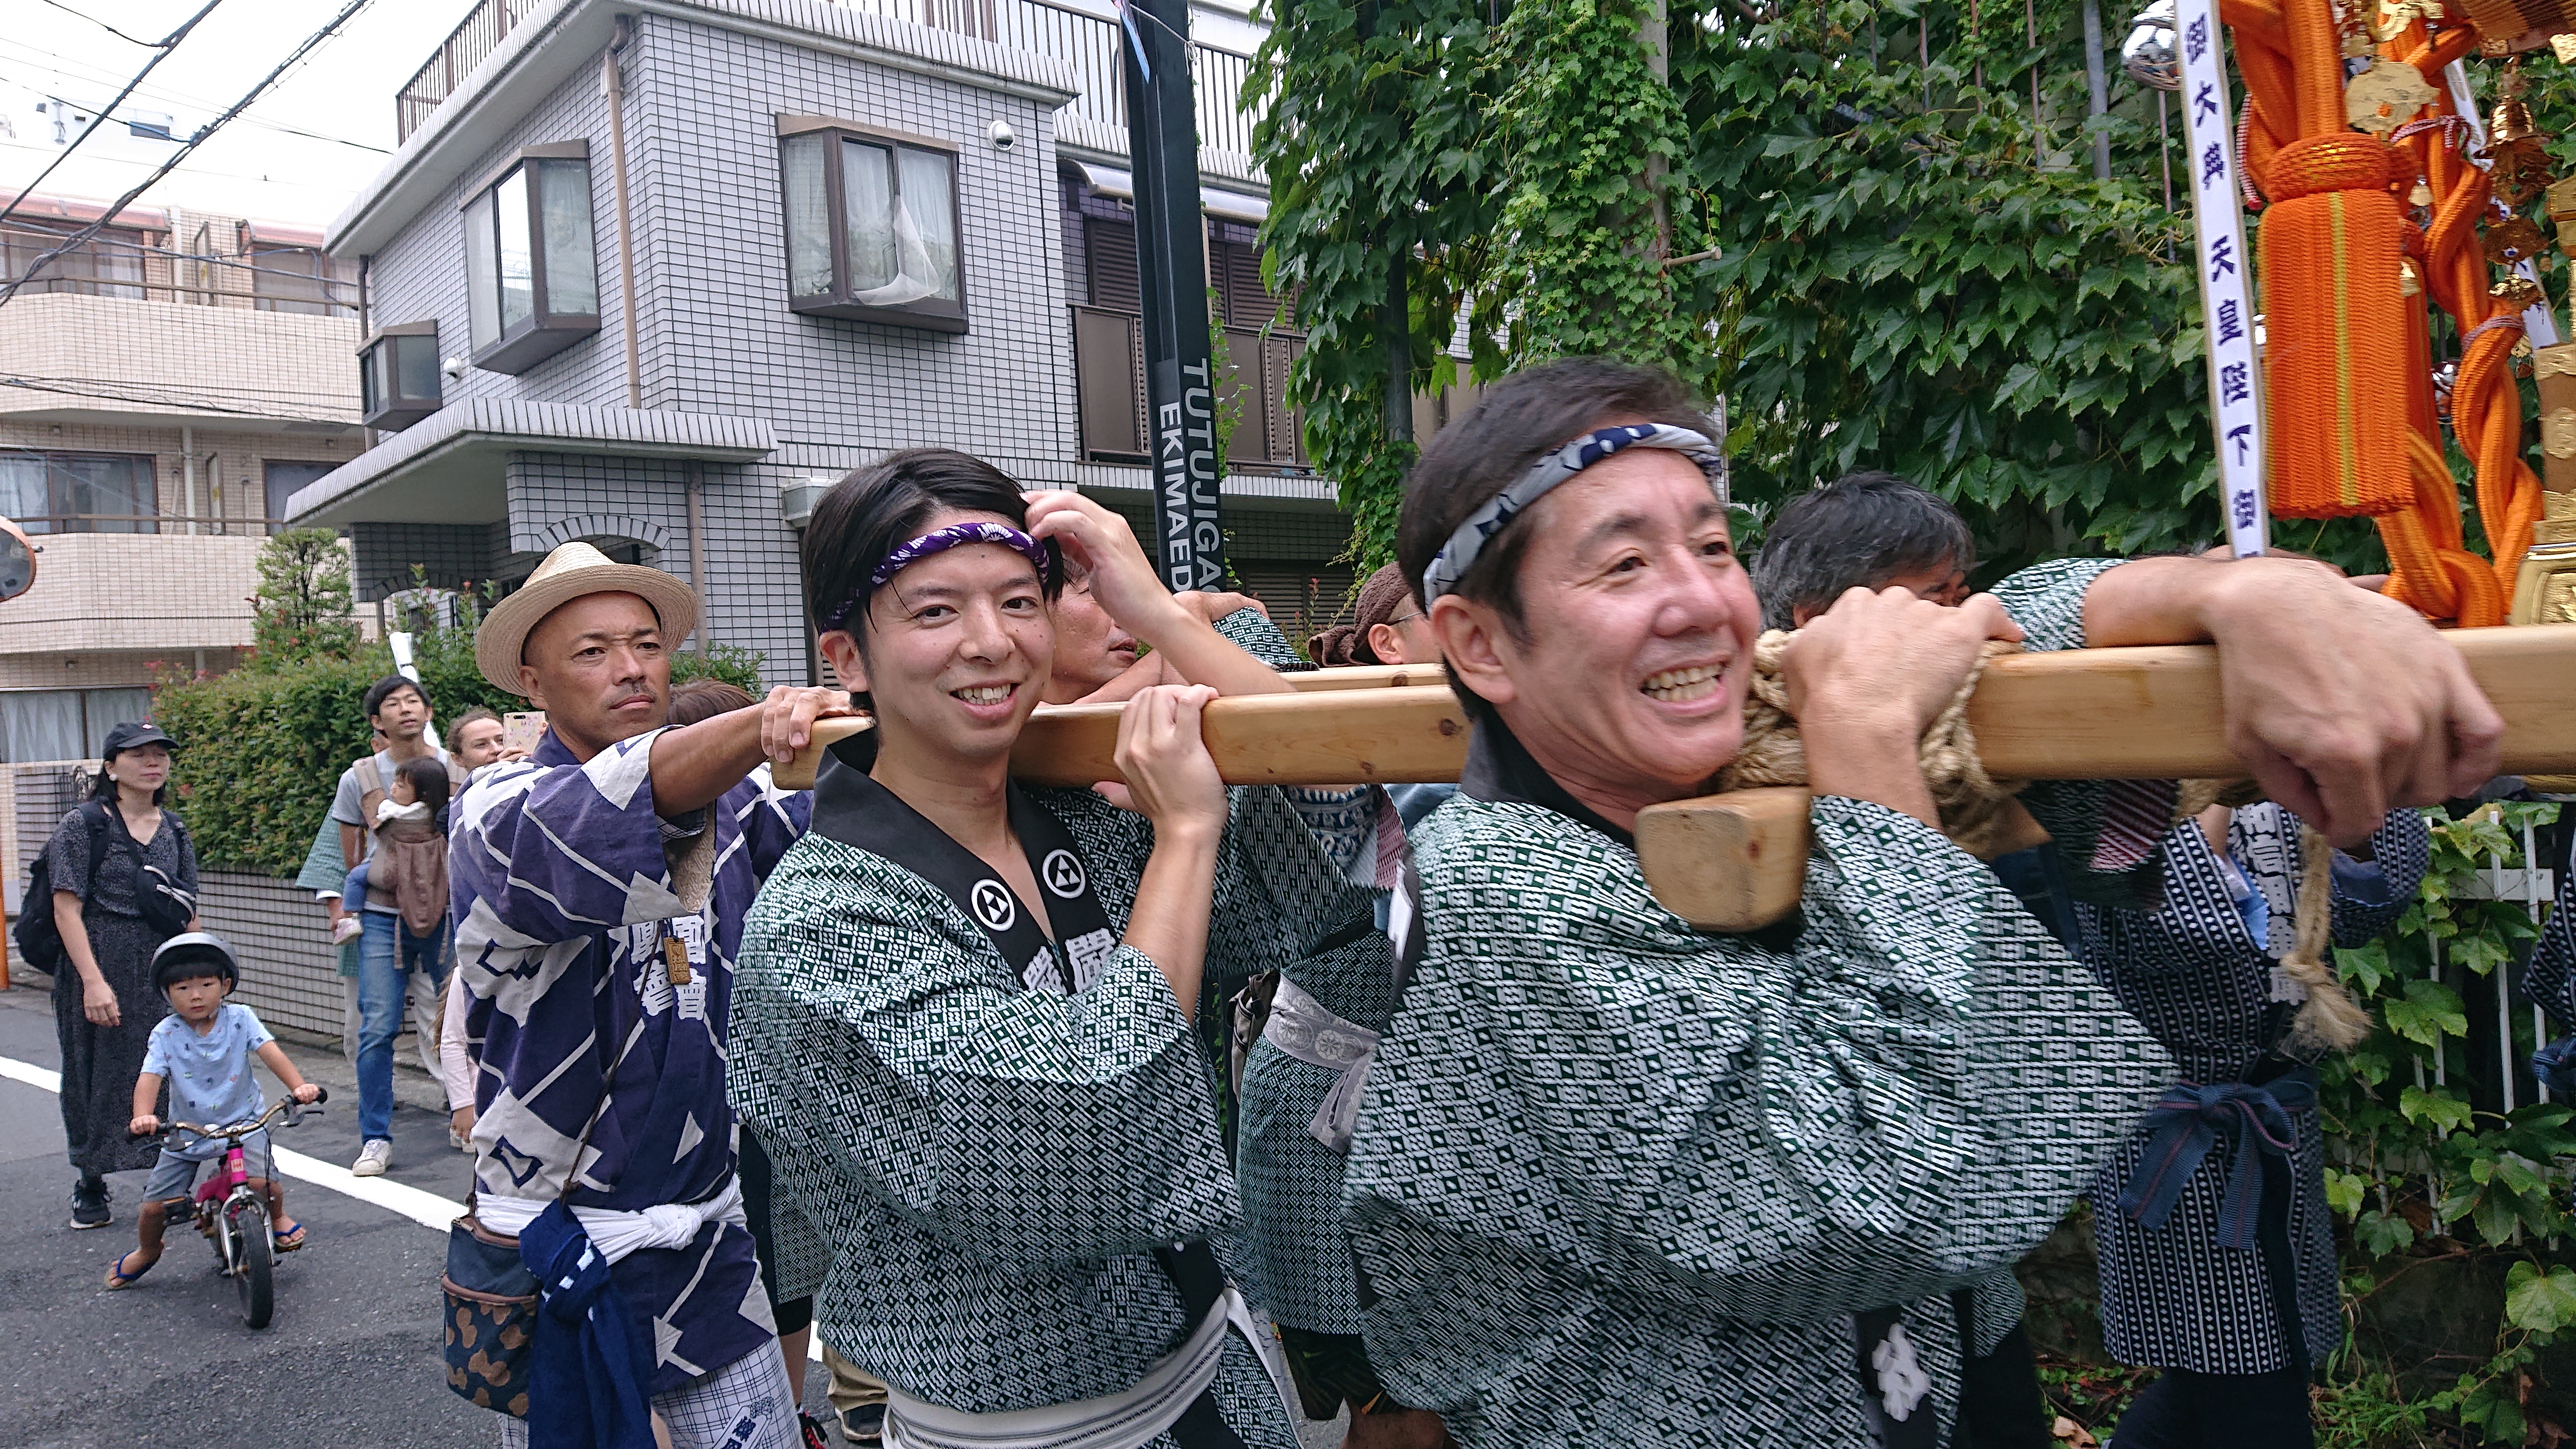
(1556, 467)
(938, 540)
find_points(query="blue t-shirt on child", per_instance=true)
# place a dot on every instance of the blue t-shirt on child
(212, 1079)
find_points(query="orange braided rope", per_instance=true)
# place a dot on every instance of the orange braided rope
(2290, 58)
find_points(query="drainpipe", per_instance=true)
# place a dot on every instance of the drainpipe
(613, 86)
(698, 547)
(188, 471)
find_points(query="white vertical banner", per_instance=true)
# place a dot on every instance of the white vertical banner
(2226, 306)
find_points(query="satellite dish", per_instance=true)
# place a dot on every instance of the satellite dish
(17, 561)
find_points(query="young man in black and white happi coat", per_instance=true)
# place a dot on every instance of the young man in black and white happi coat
(2196, 1292)
(974, 1018)
(1616, 1181)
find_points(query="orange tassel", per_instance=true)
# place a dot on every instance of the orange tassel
(2336, 330)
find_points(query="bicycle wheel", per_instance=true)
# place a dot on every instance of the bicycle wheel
(257, 1258)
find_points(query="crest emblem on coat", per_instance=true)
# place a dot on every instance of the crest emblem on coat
(1063, 874)
(993, 905)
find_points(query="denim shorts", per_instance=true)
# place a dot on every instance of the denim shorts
(176, 1176)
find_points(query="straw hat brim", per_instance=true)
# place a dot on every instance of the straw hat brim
(501, 641)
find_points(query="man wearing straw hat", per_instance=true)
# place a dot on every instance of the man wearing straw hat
(599, 889)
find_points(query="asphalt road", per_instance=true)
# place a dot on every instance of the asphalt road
(352, 1358)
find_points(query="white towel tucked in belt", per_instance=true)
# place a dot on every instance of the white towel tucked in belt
(614, 1232)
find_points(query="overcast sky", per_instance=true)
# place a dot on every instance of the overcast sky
(342, 94)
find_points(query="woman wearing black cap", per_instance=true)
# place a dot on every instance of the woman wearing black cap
(141, 892)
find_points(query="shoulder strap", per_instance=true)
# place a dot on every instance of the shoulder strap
(100, 827)
(371, 780)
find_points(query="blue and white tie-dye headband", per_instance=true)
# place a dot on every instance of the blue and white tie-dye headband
(939, 540)
(1459, 553)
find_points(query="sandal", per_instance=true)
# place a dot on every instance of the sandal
(117, 1277)
(288, 1239)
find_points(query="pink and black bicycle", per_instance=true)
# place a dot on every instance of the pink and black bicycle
(233, 1217)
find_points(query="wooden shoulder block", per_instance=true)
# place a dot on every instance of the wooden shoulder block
(1732, 862)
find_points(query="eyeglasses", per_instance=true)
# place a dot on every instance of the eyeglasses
(1402, 619)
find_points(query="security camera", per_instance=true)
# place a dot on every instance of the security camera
(999, 133)
(454, 367)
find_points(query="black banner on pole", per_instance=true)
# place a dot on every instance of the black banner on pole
(1171, 266)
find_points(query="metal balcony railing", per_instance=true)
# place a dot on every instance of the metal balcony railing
(1089, 42)
(475, 37)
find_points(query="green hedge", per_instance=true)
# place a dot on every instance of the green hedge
(262, 748)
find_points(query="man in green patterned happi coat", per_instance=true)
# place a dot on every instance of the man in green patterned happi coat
(1617, 1181)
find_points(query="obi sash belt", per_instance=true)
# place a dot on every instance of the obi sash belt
(2184, 1127)
(1306, 1029)
(1176, 1394)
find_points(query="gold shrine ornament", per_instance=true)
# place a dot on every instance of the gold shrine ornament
(2514, 239)
(2503, 22)
(2517, 153)
(2545, 591)
(2560, 202)
(2385, 97)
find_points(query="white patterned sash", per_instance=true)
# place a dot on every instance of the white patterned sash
(1125, 1420)
(1305, 1029)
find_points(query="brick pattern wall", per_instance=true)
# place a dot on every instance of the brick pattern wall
(452, 555)
(290, 974)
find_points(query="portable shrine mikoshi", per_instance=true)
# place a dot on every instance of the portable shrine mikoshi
(1737, 861)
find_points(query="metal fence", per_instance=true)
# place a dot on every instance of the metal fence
(1089, 42)
(475, 37)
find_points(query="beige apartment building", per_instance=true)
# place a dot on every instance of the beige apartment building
(165, 385)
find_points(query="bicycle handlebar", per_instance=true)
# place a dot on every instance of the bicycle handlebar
(234, 1132)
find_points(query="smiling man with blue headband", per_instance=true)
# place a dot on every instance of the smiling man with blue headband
(1617, 1181)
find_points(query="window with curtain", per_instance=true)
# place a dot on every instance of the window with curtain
(872, 227)
(109, 263)
(302, 279)
(56, 492)
(531, 260)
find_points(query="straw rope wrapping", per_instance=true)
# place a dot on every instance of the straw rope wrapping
(1972, 806)
(1971, 802)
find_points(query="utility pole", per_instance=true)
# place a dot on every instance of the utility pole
(1171, 267)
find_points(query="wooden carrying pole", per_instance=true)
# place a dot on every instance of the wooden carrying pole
(1737, 861)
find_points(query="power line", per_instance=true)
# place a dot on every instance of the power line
(104, 392)
(180, 98)
(193, 142)
(160, 53)
(103, 25)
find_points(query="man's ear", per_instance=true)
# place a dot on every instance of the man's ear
(1387, 643)
(528, 687)
(1471, 636)
(842, 652)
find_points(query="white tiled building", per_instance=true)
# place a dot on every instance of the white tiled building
(853, 232)
(164, 387)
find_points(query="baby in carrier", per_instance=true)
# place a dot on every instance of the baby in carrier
(410, 849)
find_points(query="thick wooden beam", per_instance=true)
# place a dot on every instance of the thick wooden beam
(2083, 714)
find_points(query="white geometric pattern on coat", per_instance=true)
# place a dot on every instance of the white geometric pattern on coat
(2172, 1296)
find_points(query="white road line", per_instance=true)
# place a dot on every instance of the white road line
(421, 1206)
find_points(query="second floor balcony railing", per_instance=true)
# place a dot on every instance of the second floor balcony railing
(1090, 42)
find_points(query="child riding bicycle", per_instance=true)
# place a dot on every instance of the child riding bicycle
(203, 1051)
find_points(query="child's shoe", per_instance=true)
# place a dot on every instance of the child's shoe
(345, 930)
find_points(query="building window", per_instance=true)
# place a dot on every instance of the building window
(78, 492)
(1253, 360)
(283, 480)
(398, 376)
(532, 272)
(301, 279)
(65, 724)
(872, 225)
(108, 264)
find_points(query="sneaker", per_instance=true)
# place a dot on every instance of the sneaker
(810, 1430)
(864, 1424)
(459, 1140)
(89, 1203)
(373, 1158)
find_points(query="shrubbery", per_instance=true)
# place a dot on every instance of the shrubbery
(262, 748)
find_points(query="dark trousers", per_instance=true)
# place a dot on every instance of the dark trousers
(2186, 1409)
(2000, 1406)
